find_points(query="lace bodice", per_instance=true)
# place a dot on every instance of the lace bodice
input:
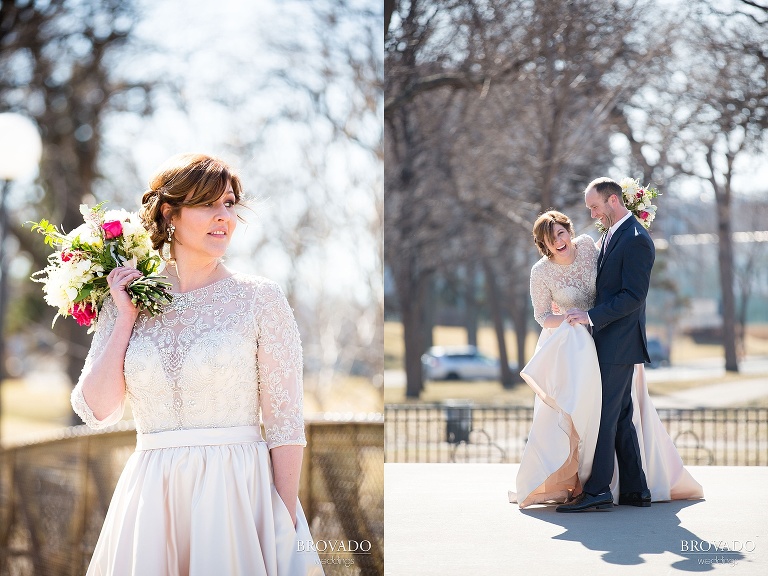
(565, 286)
(218, 357)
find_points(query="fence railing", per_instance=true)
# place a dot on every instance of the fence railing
(455, 432)
(54, 495)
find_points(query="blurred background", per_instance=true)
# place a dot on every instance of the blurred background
(290, 93)
(496, 111)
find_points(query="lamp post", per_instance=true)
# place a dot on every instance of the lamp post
(20, 150)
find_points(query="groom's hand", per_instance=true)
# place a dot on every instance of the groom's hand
(575, 316)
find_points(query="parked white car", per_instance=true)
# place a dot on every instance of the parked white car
(459, 363)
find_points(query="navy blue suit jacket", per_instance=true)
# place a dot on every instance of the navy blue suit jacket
(623, 277)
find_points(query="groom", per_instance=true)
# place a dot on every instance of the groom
(618, 327)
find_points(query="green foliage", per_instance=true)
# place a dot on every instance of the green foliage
(85, 291)
(53, 236)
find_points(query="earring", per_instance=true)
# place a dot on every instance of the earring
(166, 250)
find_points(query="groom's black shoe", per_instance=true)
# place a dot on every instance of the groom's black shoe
(641, 499)
(586, 501)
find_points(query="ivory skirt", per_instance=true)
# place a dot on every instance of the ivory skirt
(201, 502)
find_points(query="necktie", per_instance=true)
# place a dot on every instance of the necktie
(604, 247)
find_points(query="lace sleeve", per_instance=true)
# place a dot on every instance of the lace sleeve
(541, 295)
(592, 248)
(104, 326)
(280, 366)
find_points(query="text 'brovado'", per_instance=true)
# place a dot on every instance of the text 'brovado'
(320, 546)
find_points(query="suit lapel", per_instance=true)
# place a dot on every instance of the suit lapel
(615, 239)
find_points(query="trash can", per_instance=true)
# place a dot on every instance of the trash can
(458, 420)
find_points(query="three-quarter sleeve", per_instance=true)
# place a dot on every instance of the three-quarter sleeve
(541, 295)
(280, 366)
(104, 326)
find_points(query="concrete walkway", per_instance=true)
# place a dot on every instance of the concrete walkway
(455, 519)
(735, 393)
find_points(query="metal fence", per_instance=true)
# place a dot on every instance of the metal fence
(455, 432)
(54, 495)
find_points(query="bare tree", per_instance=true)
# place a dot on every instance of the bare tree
(753, 248)
(708, 115)
(56, 62)
(503, 109)
(330, 203)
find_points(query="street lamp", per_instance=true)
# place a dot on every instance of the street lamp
(20, 151)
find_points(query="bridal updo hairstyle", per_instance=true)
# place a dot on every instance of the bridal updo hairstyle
(544, 228)
(184, 180)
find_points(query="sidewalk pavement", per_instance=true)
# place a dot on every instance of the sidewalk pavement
(721, 395)
(455, 519)
(734, 393)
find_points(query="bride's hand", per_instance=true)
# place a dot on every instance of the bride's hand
(118, 280)
(575, 316)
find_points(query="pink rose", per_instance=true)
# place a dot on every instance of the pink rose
(644, 215)
(83, 313)
(112, 229)
(640, 194)
(66, 256)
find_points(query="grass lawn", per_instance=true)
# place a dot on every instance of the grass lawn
(662, 388)
(480, 391)
(29, 410)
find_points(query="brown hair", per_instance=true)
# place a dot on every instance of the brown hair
(184, 180)
(544, 228)
(605, 187)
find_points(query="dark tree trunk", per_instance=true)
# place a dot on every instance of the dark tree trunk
(430, 310)
(519, 313)
(497, 315)
(389, 8)
(725, 261)
(470, 306)
(411, 296)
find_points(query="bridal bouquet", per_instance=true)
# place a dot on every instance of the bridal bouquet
(75, 280)
(639, 200)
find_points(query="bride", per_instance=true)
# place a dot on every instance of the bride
(565, 376)
(204, 492)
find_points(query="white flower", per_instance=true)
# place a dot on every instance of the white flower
(89, 215)
(64, 281)
(87, 233)
(132, 228)
(117, 214)
(630, 186)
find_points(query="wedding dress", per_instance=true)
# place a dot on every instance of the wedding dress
(197, 497)
(565, 375)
